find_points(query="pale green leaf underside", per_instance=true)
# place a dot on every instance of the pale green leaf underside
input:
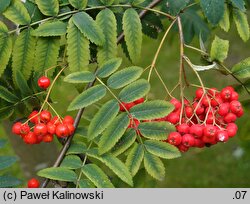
(80, 77)
(77, 148)
(242, 25)
(48, 7)
(55, 28)
(225, 21)
(242, 69)
(78, 4)
(71, 162)
(219, 49)
(109, 67)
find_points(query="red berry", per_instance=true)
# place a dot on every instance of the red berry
(68, 119)
(173, 118)
(230, 117)
(62, 130)
(183, 128)
(55, 120)
(126, 105)
(198, 108)
(25, 129)
(199, 93)
(205, 101)
(45, 116)
(51, 128)
(210, 118)
(188, 140)
(196, 130)
(183, 148)
(222, 136)
(138, 101)
(209, 131)
(133, 123)
(40, 129)
(234, 96)
(189, 111)
(71, 128)
(217, 100)
(16, 128)
(212, 92)
(176, 103)
(235, 106)
(174, 138)
(48, 138)
(226, 93)
(240, 113)
(43, 82)
(33, 183)
(209, 140)
(224, 109)
(33, 117)
(232, 129)
(199, 143)
(30, 138)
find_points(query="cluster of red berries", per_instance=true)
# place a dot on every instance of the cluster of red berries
(208, 119)
(33, 183)
(44, 127)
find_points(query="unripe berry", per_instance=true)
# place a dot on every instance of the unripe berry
(33, 183)
(40, 129)
(16, 128)
(174, 138)
(43, 82)
(45, 116)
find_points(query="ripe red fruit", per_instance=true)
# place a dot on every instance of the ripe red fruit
(209, 131)
(33, 117)
(55, 120)
(232, 129)
(183, 148)
(205, 101)
(30, 138)
(198, 108)
(240, 113)
(210, 118)
(45, 116)
(126, 105)
(138, 101)
(226, 93)
(235, 106)
(189, 111)
(62, 130)
(234, 96)
(48, 138)
(209, 140)
(230, 117)
(222, 136)
(224, 109)
(217, 100)
(174, 138)
(51, 128)
(176, 103)
(199, 143)
(68, 119)
(16, 128)
(188, 140)
(71, 128)
(40, 129)
(133, 123)
(199, 93)
(43, 82)
(25, 129)
(212, 92)
(183, 128)
(173, 118)
(196, 130)
(33, 183)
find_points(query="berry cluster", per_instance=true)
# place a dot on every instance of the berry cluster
(44, 127)
(33, 183)
(209, 119)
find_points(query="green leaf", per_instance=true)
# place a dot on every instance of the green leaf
(34, 11)
(240, 4)
(156, 130)
(2, 142)
(225, 21)
(219, 49)
(47, 51)
(174, 7)
(6, 161)
(22, 83)
(107, 2)
(114, 164)
(97, 176)
(242, 25)
(154, 166)
(71, 162)
(6, 112)
(23, 53)
(88, 27)
(58, 173)
(6, 47)
(77, 49)
(213, 10)
(103, 118)
(135, 158)
(17, 13)
(86, 183)
(124, 77)
(80, 77)
(8, 181)
(4, 4)
(6, 95)
(77, 148)
(162, 149)
(88, 97)
(133, 33)
(242, 69)
(134, 91)
(113, 133)
(107, 22)
(125, 142)
(78, 4)
(109, 67)
(54, 28)
(152, 110)
(48, 7)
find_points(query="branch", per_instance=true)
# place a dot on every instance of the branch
(81, 111)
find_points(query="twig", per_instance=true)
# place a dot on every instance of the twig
(80, 112)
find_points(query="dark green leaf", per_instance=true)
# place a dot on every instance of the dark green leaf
(88, 97)
(58, 173)
(240, 4)
(6, 95)
(103, 118)
(174, 7)
(124, 77)
(77, 148)
(97, 176)
(54, 28)
(109, 67)
(6, 161)
(9, 181)
(22, 83)
(113, 133)
(80, 77)
(71, 162)
(78, 4)
(85, 183)
(4, 4)
(152, 110)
